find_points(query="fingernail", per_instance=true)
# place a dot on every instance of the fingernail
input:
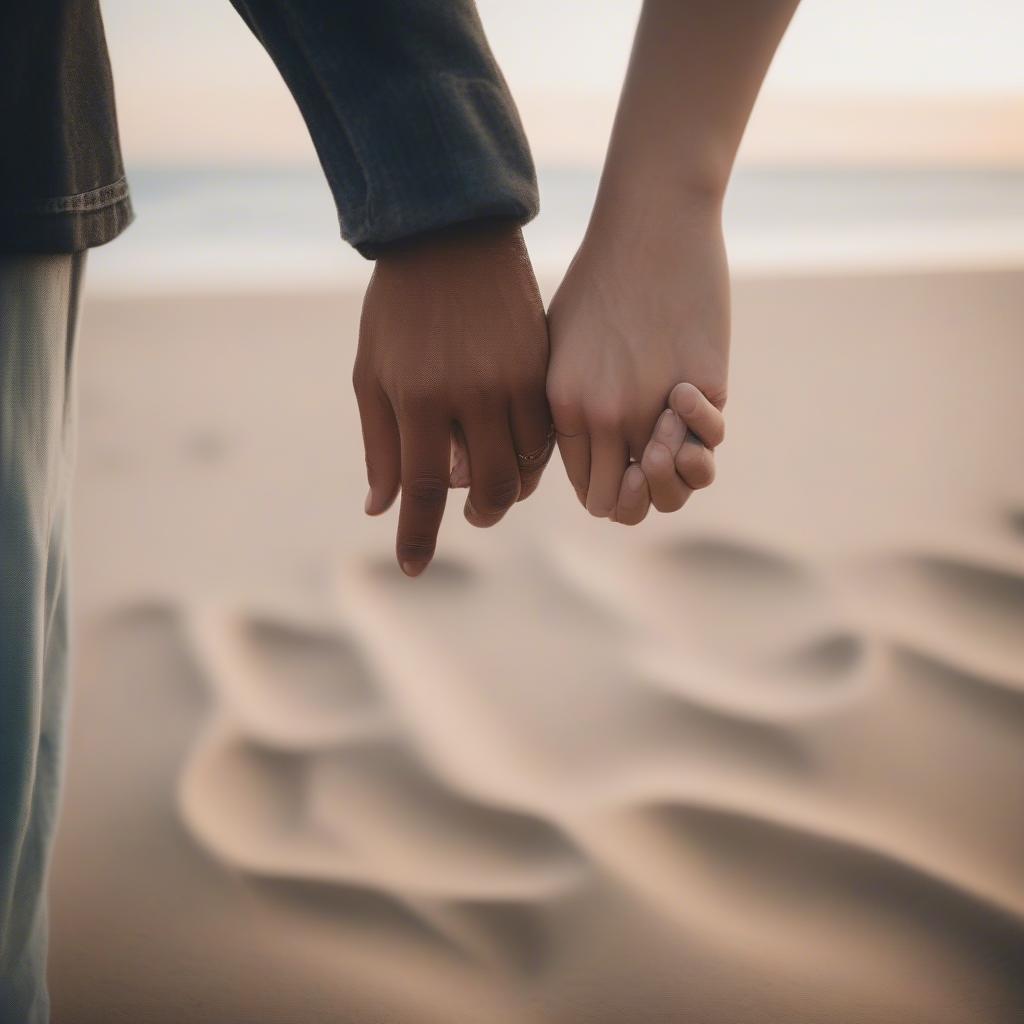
(368, 504)
(634, 478)
(666, 426)
(413, 568)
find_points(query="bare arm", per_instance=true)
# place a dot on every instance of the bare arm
(645, 303)
(695, 71)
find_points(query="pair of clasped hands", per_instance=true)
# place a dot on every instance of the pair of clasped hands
(462, 381)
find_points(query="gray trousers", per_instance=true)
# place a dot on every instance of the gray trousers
(38, 312)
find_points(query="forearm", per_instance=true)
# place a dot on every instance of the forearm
(695, 71)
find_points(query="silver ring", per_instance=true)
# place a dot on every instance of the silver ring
(529, 458)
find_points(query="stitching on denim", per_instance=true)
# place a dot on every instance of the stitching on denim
(82, 202)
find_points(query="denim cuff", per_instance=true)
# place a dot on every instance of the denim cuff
(433, 154)
(66, 223)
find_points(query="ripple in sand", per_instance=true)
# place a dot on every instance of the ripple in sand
(516, 936)
(735, 602)
(382, 801)
(290, 784)
(1003, 697)
(368, 814)
(717, 561)
(743, 600)
(772, 691)
(781, 888)
(709, 731)
(825, 660)
(1015, 518)
(745, 631)
(969, 612)
(290, 684)
(368, 915)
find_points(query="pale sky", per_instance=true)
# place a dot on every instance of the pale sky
(875, 80)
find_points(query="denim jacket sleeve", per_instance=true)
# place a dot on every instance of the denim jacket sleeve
(62, 184)
(410, 115)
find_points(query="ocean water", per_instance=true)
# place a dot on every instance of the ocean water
(259, 227)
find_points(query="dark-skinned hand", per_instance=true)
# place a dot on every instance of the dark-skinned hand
(453, 344)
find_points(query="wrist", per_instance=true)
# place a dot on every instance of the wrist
(473, 258)
(478, 239)
(664, 223)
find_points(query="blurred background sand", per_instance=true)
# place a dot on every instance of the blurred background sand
(758, 761)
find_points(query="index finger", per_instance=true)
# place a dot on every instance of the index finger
(426, 450)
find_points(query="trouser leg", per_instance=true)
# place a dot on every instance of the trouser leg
(38, 313)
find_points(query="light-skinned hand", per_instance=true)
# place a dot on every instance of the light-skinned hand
(642, 307)
(678, 459)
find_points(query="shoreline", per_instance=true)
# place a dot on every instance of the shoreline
(986, 266)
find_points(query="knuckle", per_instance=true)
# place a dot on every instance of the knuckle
(362, 379)
(695, 465)
(564, 405)
(381, 473)
(656, 461)
(427, 492)
(497, 495)
(638, 432)
(416, 547)
(526, 385)
(606, 415)
(478, 397)
(483, 520)
(417, 395)
(417, 401)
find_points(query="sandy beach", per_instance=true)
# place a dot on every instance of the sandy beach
(759, 762)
